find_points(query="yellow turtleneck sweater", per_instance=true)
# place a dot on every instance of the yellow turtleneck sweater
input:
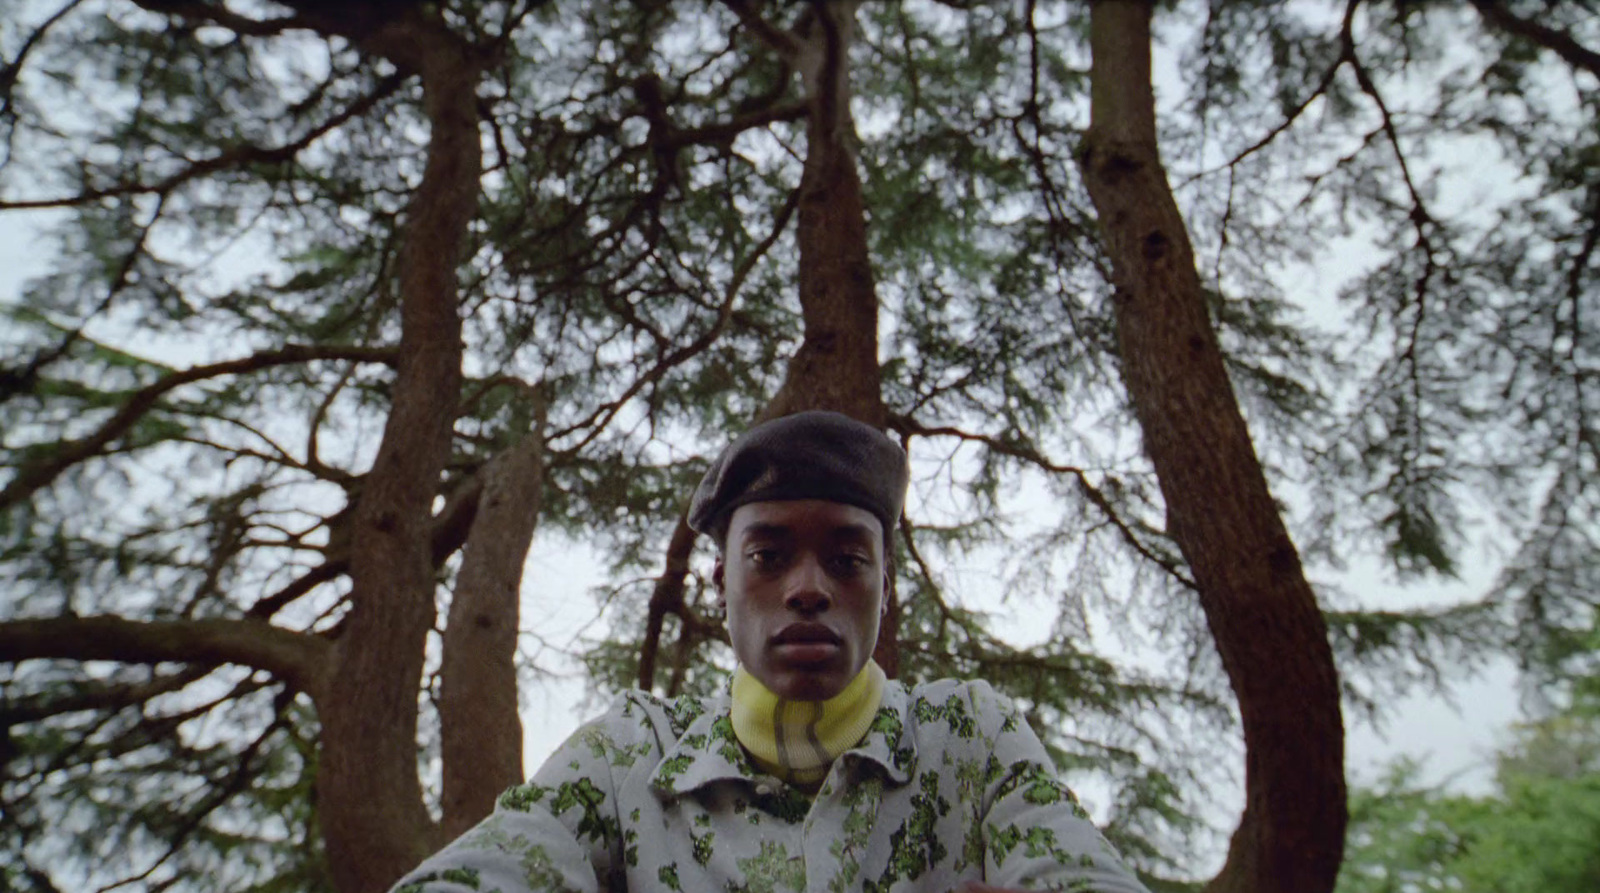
(798, 740)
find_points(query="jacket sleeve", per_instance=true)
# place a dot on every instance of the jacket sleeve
(1036, 835)
(558, 833)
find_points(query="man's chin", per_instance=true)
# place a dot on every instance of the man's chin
(808, 685)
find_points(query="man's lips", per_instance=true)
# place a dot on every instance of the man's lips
(806, 634)
(807, 643)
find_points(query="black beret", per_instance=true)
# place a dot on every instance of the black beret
(808, 455)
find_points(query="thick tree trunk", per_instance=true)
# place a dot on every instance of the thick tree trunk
(836, 366)
(481, 745)
(369, 798)
(1261, 611)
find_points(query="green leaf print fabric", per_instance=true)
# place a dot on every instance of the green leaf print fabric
(949, 785)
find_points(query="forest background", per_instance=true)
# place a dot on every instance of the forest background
(344, 305)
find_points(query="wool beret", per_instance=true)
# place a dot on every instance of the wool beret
(808, 455)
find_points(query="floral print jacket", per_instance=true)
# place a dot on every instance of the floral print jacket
(949, 785)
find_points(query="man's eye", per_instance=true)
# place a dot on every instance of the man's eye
(851, 564)
(763, 557)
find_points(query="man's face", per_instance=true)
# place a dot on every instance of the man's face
(804, 582)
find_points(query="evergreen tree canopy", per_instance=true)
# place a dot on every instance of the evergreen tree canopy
(347, 303)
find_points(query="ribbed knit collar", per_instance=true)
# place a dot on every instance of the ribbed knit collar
(798, 740)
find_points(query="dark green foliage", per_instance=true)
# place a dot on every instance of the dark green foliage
(1538, 831)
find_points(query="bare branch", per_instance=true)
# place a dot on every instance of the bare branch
(449, 531)
(31, 477)
(1346, 54)
(269, 605)
(96, 695)
(781, 41)
(199, 11)
(1560, 42)
(296, 658)
(603, 415)
(1422, 224)
(724, 132)
(236, 157)
(909, 426)
(13, 69)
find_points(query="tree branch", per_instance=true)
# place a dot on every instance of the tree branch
(725, 131)
(13, 69)
(781, 41)
(31, 477)
(235, 157)
(1096, 496)
(296, 658)
(450, 528)
(15, 382)
(217, 14)
(1560, 42)
(96, 695)
(602, 416)
(1346, 54)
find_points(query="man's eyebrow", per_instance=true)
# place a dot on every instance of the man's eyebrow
(854, 531)
(762, 530)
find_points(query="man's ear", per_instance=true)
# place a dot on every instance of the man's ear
(717, 572)
(888, 587)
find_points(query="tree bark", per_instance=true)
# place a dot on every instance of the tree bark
(481, 744)
(836, 365)
(1260, 609)
(369, 798)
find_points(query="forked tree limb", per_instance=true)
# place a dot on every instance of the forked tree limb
(1025, 453)
(369, 796)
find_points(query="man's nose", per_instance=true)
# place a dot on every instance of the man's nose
(809, 591)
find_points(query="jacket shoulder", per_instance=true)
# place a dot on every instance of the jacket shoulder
(960, 708)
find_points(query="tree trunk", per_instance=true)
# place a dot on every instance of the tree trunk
(369, 798)
(1260, 609)
(481, 745)
(836, 365)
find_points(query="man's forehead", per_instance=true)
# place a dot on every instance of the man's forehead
(785, 517)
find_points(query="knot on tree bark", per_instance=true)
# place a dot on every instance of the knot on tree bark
(1156, 244)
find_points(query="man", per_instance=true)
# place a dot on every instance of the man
(813, 773)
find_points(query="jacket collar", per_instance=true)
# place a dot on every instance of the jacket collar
(708, 751)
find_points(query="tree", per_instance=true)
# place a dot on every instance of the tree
(1260, 608)
(539, 254)
(1537, 830)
